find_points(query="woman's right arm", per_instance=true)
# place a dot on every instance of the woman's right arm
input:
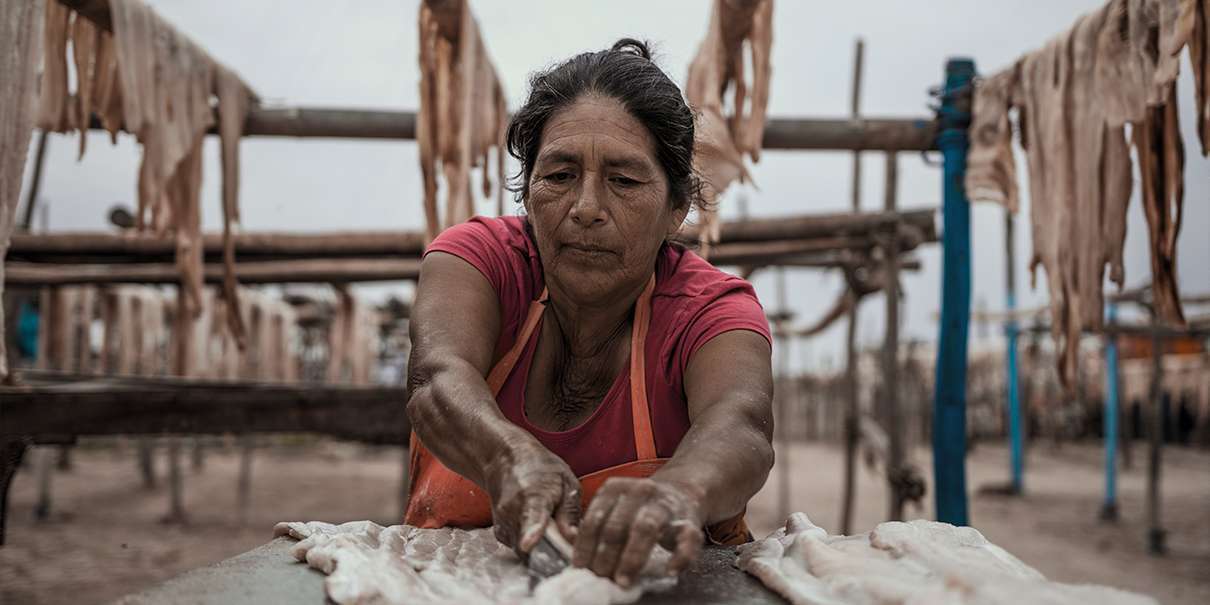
(454, 327)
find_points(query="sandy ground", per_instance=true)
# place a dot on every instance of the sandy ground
(105, 537)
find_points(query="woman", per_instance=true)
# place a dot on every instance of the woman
(573, 360)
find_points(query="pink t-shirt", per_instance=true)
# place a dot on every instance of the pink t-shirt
(692, 303)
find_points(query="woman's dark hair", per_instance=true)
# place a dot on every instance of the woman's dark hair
(624, 72)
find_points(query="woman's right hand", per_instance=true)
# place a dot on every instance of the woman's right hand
(529, 486)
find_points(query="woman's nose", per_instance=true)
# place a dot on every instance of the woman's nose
(588, 210)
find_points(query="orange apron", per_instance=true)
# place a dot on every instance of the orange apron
(439, 497)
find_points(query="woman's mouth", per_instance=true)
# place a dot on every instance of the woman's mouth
(588, 251)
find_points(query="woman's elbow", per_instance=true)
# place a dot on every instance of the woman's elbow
(421, 403)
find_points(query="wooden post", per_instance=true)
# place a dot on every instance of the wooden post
(35, 183)
(1155, 533)
(176, 492)
(243, 488)
(44, 469)
(257, 322)
(783, 400)
(11, 453)
(851, 411)
(183, 343)
(896, 456)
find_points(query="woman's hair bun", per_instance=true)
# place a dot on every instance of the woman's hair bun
(632, 46)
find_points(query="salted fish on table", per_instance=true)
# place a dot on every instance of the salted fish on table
(368, 563)
(917, 562)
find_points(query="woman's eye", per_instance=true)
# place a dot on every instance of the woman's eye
(559, 177)
(625, 181)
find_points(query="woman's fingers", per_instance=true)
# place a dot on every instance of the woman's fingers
(645, 530)
(567, 515)
(688, 539)
(611, 538)
(591, 526)
(535, 516)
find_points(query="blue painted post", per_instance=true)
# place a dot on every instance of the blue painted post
(1013, 378)
(949, 392)
(1109, 510)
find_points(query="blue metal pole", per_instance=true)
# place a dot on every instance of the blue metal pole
(1109, 510)
(1014, 405)
(949, 392)
(1013, 379)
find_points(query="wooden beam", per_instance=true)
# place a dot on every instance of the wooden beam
(801, 134)
(802, 253)
(125, 406)
(111, 247)
(771, 252)
(330, 123)
(346, 270)
(85, 247)
(790, 134)
(827, 225)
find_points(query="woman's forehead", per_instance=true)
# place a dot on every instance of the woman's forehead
(598, 126)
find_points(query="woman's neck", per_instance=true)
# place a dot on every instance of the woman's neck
(589, 329)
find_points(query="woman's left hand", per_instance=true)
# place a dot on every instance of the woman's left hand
(628, 517)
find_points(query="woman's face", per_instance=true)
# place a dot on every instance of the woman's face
(598, 201)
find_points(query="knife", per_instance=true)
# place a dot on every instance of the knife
(551, 555)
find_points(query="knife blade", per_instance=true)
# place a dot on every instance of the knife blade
(551, 555)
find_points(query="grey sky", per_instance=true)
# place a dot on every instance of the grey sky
(364, 54)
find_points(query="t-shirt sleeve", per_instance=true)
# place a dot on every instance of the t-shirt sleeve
(478, 244)
(737, 309)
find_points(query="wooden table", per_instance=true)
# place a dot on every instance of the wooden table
(269, 575)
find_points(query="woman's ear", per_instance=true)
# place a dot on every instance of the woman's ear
(678, 218)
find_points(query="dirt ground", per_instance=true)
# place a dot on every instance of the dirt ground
(105, 537)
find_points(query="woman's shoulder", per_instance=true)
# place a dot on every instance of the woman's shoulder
(500, 248)
(696, 301)
(484, 231)
(681, 272)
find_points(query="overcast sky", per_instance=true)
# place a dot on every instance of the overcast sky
(364, 54)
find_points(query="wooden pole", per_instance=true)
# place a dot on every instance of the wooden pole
(12, 451)
(797, 134)
(44, 468)
(35, 183)
(851, 411)
(783, 401)
(808, 252)
(182, 366)
(252, 272)
(103, 247)
(1155, 533)
(176, 483)
(890, 354)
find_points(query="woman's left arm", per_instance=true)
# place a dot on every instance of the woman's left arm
(720, 464)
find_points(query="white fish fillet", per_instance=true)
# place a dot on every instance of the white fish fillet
(918, 562)
(368, 563)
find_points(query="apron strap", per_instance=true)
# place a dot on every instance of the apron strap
(640, 412)
(499, 374)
